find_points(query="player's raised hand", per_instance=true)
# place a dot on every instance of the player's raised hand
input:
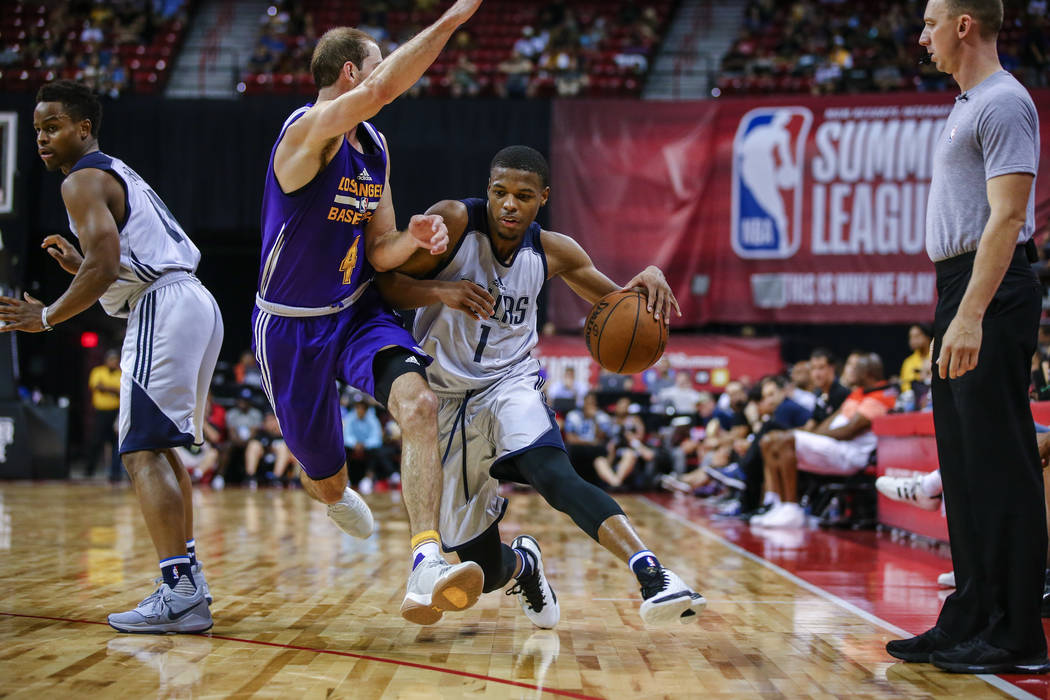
(64, 252)
(18, 315)
(659, 297)
(468, 297)
(462, 10)
(430, 232)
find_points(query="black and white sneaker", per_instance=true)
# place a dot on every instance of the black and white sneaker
(536, 596)
(665, 597)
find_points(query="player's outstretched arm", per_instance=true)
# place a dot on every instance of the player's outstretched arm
(393, 76)
(404, 292)
(420, 248)
(86, 194)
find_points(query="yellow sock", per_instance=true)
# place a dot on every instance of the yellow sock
(424, 545)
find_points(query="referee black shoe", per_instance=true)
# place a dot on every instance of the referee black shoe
(978, 656)
(918, 649)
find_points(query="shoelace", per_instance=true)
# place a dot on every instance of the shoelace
(530, 587)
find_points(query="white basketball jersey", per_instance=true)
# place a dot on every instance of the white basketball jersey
(470, 354)
(151, 240)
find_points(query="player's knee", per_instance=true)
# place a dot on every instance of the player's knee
(417, 411)
(330, 490)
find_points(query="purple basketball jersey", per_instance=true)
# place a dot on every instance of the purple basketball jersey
(313, 248)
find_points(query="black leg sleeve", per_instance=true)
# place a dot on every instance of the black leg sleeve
(548, 470)
(496, 559)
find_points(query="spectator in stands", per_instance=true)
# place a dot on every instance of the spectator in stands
(658, 377)
(463, 78)
(842, 445)
(568, 387)
(241, 423)
(366, 461)
(627, 451)
(774, 410)
(518, 71)
(917, 365)
(730, 408)
(613, 382)
(246, 372)
(800, 388)
(586, 431)
(829, 391)
(681, 396)
(530, 45)
(267, 447)
(215, 435)
(115, 77)
(104, 382)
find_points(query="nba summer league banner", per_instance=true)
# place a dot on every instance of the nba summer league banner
(791, 209)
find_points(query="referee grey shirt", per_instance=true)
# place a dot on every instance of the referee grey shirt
(993, 130)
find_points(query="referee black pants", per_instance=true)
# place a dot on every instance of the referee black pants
(993, 488)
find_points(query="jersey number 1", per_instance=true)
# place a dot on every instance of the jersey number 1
(481, 343)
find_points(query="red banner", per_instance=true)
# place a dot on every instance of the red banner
(765, 210)
(713, 360)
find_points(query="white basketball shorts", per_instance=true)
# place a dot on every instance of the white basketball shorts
(172, 343)
(474, 433)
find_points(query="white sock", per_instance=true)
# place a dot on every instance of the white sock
(771, 499)
(931, 484)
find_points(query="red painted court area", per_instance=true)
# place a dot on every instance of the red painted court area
(891, 581)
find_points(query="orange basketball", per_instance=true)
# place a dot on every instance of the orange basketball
(622, 336)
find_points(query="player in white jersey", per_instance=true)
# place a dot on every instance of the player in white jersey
(139, 263)
(479, 325)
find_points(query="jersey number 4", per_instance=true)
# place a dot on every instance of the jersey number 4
(350, 261)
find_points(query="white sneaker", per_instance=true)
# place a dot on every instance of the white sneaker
(181, 609)
(946, 580)
(534, 593)
(217, 482)
(697, 603)
(352, 515)
(198, 576)
(786, 515)
(665, 598)
(435, 586)
(907, 489)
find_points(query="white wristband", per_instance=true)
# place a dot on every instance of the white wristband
(43, 320)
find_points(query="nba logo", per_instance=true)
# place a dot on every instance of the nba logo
(768, 166)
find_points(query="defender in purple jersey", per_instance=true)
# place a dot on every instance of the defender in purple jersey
(328, 225)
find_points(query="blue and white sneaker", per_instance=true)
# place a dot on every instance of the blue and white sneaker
(198, 576)
(182, 609)
(534, 593)
(665, 597)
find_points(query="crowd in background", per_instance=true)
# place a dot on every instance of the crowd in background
(562, 48)
(100, 43)
(828, 46)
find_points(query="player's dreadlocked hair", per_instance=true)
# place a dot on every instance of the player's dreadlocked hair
(523, 158)
(77, 99)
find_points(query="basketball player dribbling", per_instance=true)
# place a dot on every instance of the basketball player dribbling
(327, 226)
(479, 323)
(139, 263)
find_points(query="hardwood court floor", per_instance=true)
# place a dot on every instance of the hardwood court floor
(303, 611)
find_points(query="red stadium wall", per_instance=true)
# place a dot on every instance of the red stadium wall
(713, 360)
(789, 209)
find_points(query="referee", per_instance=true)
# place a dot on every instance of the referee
(979, 220)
